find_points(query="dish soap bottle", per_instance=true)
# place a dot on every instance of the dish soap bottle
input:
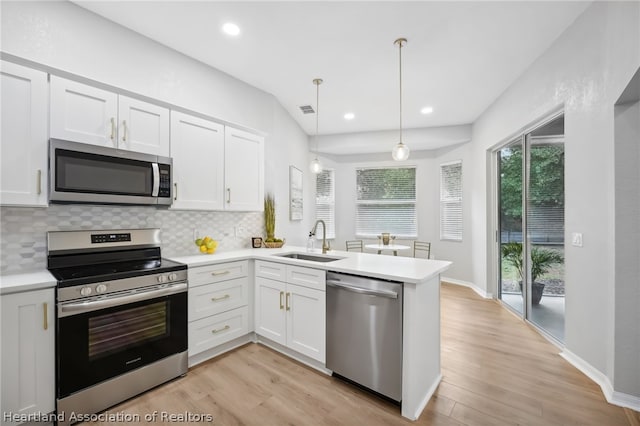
(310, 242)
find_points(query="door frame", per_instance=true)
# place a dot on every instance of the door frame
(493, 207)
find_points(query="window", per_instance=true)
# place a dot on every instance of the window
(386, 202)
(451, 201)
(326, 201)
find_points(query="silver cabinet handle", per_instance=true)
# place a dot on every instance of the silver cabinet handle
(288, 301)
(228, 195)
(175, 192)
(355, 289)
(124, 131)
(74, 308)
(217, 299)
(39, 182)
(113, 128)
(281, 301)
(226, 327)
(217, 273)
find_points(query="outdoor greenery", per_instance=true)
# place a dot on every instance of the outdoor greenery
(542, 259)
(546, 180)
(393, 183)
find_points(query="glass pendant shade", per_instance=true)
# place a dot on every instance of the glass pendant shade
(315, 166)
(400, 152)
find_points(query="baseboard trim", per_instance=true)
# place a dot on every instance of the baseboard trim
(612, 397)
(432, 389)
(471, 285)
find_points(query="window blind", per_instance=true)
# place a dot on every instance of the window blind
(326, 202)
(451, 201)
(386, 202)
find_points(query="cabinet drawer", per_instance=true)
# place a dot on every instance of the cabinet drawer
(211, 299)
(201, 275)
(274, 271)
(307, 277)
(215, 330)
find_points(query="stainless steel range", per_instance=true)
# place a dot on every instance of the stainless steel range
(121, 324)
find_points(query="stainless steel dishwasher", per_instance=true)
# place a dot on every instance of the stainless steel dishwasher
(364, 332)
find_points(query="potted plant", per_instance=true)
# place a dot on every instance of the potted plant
(270, 223)
(541, 261)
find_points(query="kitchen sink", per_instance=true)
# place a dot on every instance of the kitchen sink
(311, 257)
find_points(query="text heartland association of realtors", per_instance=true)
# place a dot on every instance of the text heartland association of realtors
(107, 416)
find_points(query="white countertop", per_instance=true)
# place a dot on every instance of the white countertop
(396, 268)
(26, 282)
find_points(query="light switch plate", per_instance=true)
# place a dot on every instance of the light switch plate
(576, 239)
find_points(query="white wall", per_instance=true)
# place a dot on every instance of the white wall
(584, 72)
(65, 37)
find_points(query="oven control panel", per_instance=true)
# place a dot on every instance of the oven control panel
(110, 238)
(107, 287)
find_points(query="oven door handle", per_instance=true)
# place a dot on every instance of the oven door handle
(75, 308)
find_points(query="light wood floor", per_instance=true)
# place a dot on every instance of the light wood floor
(497, 371)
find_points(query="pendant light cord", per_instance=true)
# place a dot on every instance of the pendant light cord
(400, 42)
(400, 57)
(317, 82)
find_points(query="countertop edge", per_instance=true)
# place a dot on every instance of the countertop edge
(28, 281)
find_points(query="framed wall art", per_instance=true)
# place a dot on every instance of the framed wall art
(295, 193)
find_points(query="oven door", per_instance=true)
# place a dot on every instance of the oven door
(94, 345)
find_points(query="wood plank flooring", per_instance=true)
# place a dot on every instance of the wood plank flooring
(497, 371)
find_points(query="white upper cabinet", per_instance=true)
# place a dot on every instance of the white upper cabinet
(197, 148)
(143, 127)
(23, 180)
(215, 167)
(244, 170)
(87, 114)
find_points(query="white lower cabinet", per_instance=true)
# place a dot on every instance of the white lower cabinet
(218, 304)
(28, 354)
(289, 313)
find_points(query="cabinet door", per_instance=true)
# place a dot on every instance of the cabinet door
(28, 359)
(306, 326)
(197, 148)
(270, 310)
(143, 127)
(23, 179)
(83, 113)
(244, 170)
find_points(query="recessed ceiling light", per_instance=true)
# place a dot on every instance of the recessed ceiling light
(231, 29)
(427, 110)
(349, 116)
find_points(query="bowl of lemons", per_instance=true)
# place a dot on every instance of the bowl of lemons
(207, 245)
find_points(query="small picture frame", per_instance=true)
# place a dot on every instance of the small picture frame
(256, 242)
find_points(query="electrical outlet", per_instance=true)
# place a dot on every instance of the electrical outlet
(239, 231)
(576, 239)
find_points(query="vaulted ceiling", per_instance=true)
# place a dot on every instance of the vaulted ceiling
(460, 56)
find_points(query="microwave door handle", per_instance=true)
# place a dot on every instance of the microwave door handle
(156, 179)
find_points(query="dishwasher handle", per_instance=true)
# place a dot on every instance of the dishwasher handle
(355, 289)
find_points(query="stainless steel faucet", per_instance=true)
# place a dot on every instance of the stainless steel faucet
(325, 246)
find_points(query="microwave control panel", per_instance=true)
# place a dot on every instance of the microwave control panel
(165, 180)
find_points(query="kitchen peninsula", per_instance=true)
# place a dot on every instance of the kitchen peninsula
(421, 307)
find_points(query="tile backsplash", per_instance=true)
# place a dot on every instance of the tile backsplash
(23, 231)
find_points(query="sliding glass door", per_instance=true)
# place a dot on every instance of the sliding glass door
(531, 198)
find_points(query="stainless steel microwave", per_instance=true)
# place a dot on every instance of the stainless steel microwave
(82, 173)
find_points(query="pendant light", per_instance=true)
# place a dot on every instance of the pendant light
(400, 151)
(316, 166)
